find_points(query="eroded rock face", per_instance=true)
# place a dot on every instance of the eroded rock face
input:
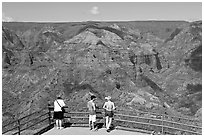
(137, 68)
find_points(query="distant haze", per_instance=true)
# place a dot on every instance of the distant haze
(100, 11)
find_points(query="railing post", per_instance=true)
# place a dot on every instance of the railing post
(49, 114)
(162, 124)
(19, 128)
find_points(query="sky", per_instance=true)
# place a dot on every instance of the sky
(100, 11)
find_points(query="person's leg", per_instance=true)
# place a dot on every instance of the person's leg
(60, 123)
(92, 125)
(57, 123)
(107, 122)
(90, 122)
(93, 121)
(110, 121)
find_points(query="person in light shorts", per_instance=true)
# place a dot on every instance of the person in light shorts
(92, 112)
(92, 118)
(109, 107)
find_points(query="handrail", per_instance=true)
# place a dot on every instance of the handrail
(160, 125)
(154, 113)
(149, 122)
(167, 122)
(23, 117)
(9, 129)
(158, 120)
(34, 119)
(21, 124)
(173, 122)
(80, 117)
(30, 114)
(34, 124)
(9, 123)
(156, 125)
(79, 112)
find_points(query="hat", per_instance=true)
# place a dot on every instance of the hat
(108, 97)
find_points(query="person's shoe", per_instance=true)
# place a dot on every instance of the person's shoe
(95, 129)
(90, 129)
(108, 130)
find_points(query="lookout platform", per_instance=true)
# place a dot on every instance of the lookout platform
(86, 131)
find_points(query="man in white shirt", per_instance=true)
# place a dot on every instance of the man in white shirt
(58, 114)
(109, 107)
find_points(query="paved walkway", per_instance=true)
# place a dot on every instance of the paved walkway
(86, 131)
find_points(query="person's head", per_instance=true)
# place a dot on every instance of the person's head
(93, 97)
(59, 98)
(108, 98)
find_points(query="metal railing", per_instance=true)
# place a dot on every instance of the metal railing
(135, 121)
(161, 122)
(22, 124)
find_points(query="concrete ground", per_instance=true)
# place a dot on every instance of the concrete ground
(86, 131)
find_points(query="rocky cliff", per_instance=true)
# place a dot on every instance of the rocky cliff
(148, 66)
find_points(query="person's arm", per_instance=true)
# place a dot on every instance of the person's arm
(113, 106)
(87, 105)
(54, 104)
(94, 106)
(63, 104)
(104, 106)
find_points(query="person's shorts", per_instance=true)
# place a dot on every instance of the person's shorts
(92, 118)
(109, 113)
(58, 115)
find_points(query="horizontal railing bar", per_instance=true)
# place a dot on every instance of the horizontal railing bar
(117, 114)
(138, 117)
(10, 123)
(132, 129)
(10, 129)
(34, 119)
(29, 115)
(138, 122)
(151, 123)
(154, 113)
(79, 126)
(79, 117)
(75, 123)
(15, 133)
(182, 130)
(172, 122)
(22, 129)
(78, 112)
(35, 124)
(155, 125)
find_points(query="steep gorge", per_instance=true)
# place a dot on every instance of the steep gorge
(139, 69)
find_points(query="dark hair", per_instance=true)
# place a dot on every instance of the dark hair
(59, 98)
(92, 97)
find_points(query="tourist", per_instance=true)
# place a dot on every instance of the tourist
(58, 113)
(92, 112)
(109, 107)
